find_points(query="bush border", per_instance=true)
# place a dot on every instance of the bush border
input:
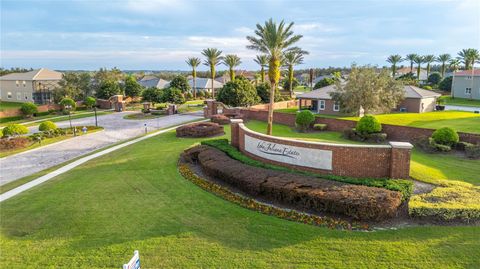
(252, 204)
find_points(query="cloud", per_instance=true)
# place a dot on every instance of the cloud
(314, 27)
(157, 6)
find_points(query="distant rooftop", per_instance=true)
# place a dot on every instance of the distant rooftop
(475, 73)
(37, 74)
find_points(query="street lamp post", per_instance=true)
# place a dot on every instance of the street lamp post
(68, 108)
(95, 110)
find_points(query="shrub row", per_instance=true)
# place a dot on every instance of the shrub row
(400, 185)
(253, 204)
(452, 202)
(308, 193)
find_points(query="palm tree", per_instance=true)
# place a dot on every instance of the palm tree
(262, 60)
(454, 64)
(274, 40)
(419, 61)
(213, 59)
(411, 57)
(193, 63)
(290, 59)
(232, 61)
(469, 57)
(443, 58)
(394, 59)
(428, 59)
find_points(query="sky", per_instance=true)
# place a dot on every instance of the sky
(161, 34)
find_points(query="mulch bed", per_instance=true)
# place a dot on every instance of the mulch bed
(200, 129)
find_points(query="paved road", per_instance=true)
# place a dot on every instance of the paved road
(116, 129)
(463, 108)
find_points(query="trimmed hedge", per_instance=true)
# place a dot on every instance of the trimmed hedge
(14, 130)
(304, 119)
(401, 185)
(300, 191)
(267, 209)
(368, 124)
(445, 136)
(47, 126)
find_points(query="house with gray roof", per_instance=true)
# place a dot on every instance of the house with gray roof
(155, 83)
(205, 84)
(416, 100)
(34, 86)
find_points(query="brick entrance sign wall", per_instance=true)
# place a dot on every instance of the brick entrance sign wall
(392, 160)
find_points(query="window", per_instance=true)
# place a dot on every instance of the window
(468, 90)
(17, 83)
(336, 107)
(321, 104)
(19, 96)
(469, 77)
(25, 94)
(9, 95)
(24, 83)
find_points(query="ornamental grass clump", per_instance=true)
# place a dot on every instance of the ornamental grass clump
(304, 119)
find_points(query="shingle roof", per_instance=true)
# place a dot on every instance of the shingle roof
(37, 74)
(155, 82)
(410, 92)
(205, 83)
(416, 92)
(468, 73)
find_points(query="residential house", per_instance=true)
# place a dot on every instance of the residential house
(244, 73)
(466, 84)
(205, 84)
(154, 82)
(405, 70)
(34, 86)
(416, 100)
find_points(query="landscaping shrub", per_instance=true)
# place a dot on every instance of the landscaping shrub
(173, 95)
(401, 185)
(14, 143)
(90, 102)
(309, 193)
(462, 145)
(452, 202)
(446, 84)
(28, 109)
(263, 91)
(239, 92)
(159, 113)
(445, 136)
(304, 119)
(434, 78)
(429, 145)
(189, 96)
(428, 88)
(320, 126)
(68, 102)
(368, 124)
(14, 130)
(47, 126)
(472, 151)
(201, 94)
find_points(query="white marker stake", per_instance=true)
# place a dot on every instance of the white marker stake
(134, 262)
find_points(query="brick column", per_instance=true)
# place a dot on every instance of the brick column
(400, 163)
(235, 131)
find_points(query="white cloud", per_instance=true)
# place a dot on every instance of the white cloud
(314, 27)
(157, 6)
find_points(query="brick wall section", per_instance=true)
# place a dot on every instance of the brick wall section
(394, 132)
(277, 105)
(17, 112)
(347, 160)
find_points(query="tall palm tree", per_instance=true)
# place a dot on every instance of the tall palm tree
(290, 59)
(411, 57)
(193, 63)
(274, 40)
(214, 57)
(469, 57)
(419, 61)
(454, 64)
(428, 59)
(232, 61)
(394, 59)
(262, 60)
(443, 58)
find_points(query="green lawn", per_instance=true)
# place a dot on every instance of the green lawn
(460, 101)
(9, 105)
(301, 89)
(53, 118)
(134, 198)
(461, 121)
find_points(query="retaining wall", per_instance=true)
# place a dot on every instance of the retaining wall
(392, 160)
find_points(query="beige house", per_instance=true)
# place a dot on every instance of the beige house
(33, 86)
(416, 100)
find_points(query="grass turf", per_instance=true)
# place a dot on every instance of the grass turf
(134, 198)
(461, 121)
(9, 105)
(460, 101)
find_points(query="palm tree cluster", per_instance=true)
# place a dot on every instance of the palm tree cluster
(466, 56)
(275, 43)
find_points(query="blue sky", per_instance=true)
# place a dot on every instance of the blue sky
(161, 34)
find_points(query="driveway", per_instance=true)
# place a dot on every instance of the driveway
(116, 129)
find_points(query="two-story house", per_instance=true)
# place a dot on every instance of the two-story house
(466, 84)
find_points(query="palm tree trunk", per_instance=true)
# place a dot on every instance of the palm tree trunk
(411, 67)
(393, 70)
(443, 69)
(270, 109)
(418, 72)
(290, 77)
(262, 74)
(232, 74)
(428, 70)
(194, 86)
(212, 71)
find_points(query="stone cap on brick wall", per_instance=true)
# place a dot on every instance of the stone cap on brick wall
(236, 120)
(401, 145)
